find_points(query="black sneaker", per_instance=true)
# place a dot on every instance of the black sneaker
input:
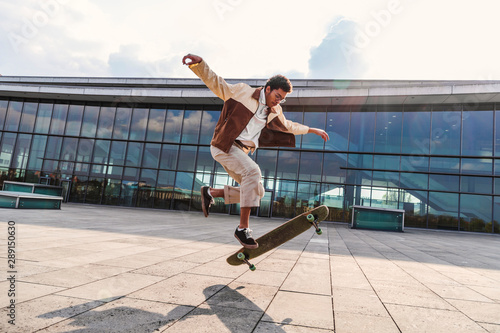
(206, 200)
(245, 238)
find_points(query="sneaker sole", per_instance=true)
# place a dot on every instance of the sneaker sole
(247, 246)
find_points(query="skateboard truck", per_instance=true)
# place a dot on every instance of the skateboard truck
(243, 257)
(314, 221)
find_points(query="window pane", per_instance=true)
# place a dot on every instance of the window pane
(37, 152)
(386, 162)
(284, 203)
(85, 147)
(317, 120)
(445, 165)
(151, 155)
(496, 216)
(205, 161)
(307, 196)
(155, 124)
(43, 118)
(476, 212)
(385, 198)
(28, 117)
(183, 189)
(146, 189)
(295, 114)
(478, 166)
(122, 123)
(476, 184)
(334, 168)
(477, 133)
(443, 183)
(191, 126)
(385, 178)
(101, 151)
(105, 126)
(59, 115)
(13, 116)
(3, 112)
(414, 204)
(267, 159)
(164, 189)
(8, 142)
(89, 126)
(416, 131)
(169, 157)
(310, 166)
(445, 138)
(94, 190)
(414, 181)
(173, 126)
(52, 154)
(208, 123)
(117, 155)
(134, 154)
(111, 192)
(74, 121)
(333, 197)
(337, 127)
(362, 131)
(288, 164)
(363, 161)
(415, 163)
(443, 211)
(20, 157)
(139, 124)
(187, 155)
(388, 133)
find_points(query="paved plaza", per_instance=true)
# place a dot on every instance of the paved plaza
(91, 268)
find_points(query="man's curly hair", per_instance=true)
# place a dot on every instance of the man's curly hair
(279, 81)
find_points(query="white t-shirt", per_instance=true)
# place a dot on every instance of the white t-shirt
(250, 135)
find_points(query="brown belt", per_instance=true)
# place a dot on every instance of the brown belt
(242, 146)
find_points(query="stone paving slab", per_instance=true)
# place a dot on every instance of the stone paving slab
(90, 268)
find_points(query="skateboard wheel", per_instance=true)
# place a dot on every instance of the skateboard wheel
(253, 268)
(310, 217)
(319, 231)
(241, 256)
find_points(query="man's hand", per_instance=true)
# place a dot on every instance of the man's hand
(191, 59)
(319, 132)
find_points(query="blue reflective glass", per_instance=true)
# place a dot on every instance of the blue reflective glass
(37, 151)
(139, 124)
(477, 133)
(444, 183)
(310, 166)
(208, 123)
(443, 211)
(308, 196)
(134, 154)
(445, 135)
(388, 132)
(415, 163)
(28, 117)
(316, 120)
(183, 190)
(359, 177)
(43, 118)
(284, 199)
(288, 164)
(362, 131)
(169, 155)
(13, 116)
(267, 160)
(478, 166)
(385, 179)
(7, 149)
(105, 125)
(59, 116)
(334, 168)
(52, 154)
(476, 184)
(151, 155)
(74, 120)
(117, 153)
(337, 127)
(173, 126)
(89, 124)
(155, 124)
(3, 112)
(205, 162)
(21, 152)
(362, 161)
(445, 165)
(386, 162)
(416, 132)
(476, 213)
(191, 126)
(295, 114)
(187, 158)
(122, 123)
(418, 181)
(85, 148)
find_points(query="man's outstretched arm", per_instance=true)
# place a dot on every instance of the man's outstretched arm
(319, 132)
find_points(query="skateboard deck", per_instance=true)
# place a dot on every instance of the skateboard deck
(280, 235)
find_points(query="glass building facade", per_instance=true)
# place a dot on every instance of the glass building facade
(438, 162)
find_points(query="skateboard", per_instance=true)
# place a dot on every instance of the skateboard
(280, 235)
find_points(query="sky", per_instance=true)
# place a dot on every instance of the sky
(314, 39)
